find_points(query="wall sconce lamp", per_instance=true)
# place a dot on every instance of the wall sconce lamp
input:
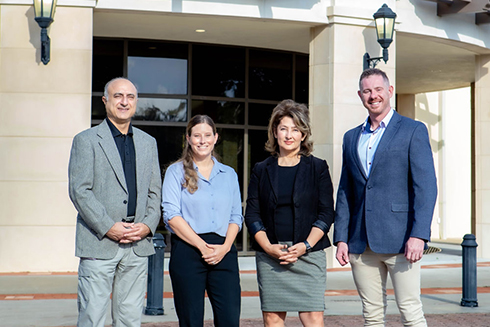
(44, 11)
(384, 19)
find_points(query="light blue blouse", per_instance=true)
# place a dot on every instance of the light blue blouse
(215, 204)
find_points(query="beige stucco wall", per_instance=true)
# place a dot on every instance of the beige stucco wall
(482, 154)
(43, 107)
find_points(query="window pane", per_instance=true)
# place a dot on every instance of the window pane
(107, 62)
(270, 75)
(256, 153)
(158, 67)
(218, 71)
(170, 142)
(230, 150)
(222, 112)
(161, 109)
(302, 78)
(256, 147)
(98, 108)
(259, 113)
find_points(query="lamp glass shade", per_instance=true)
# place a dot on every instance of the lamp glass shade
(44, 8)
(384, 19)
(385, 28)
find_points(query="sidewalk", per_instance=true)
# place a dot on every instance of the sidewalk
(50, 299)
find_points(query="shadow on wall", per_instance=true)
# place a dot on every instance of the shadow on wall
(34, 33)
(431, 119)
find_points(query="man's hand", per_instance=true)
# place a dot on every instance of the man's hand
(342, 253)
(135, 233)
(414, 249)
(118, 230)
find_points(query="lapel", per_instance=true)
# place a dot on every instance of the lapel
(108, 145)
(391, 130)
(355, 153)
(272, 172)
(301, 180)
(140, 151)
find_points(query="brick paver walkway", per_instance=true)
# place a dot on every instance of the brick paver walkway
(442, 320)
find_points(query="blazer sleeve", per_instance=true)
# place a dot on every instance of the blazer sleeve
(80, 185)
(424, 182)
(325, 200)
(342, 212)
(152, 214)
(253, 219)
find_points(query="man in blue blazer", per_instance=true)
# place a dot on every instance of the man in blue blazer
(385, 203)
(115, 185)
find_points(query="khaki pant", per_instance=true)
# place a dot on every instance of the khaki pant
(370, 272)
(124, 276)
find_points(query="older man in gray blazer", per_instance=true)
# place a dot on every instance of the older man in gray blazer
(385, 204)
(115, 185)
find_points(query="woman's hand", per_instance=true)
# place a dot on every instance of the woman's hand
(293, 253)
(214, 253)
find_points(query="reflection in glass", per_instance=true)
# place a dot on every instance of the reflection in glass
(158, 75)
(222, 112)
(259, 113)
(270, 75)
(218, 71)
(161, 109)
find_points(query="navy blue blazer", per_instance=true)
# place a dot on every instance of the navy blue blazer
(312, 198)
(397, 200)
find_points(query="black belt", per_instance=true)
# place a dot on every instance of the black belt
(129, 219)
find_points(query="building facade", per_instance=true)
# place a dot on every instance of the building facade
(233, 60)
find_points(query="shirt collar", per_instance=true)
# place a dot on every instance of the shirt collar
(115, 132)
(217, 165)
(366, 127)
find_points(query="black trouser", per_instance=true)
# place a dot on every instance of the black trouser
(191, 276)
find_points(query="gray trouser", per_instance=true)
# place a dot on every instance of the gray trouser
(124, 276)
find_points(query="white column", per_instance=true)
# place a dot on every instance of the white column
(482, 155)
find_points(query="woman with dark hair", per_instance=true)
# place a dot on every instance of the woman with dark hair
(289, 213)
(202, 209)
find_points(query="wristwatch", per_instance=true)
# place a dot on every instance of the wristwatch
(308, 247)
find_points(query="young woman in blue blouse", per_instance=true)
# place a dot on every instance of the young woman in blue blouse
(202, 209)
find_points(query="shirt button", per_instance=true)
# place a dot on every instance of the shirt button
(125, 201)
(369, 163)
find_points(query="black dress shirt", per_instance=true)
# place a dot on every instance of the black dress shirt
(125, 146)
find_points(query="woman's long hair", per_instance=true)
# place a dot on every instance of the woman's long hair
(190, 174)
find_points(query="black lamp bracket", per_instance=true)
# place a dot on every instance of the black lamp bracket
(369, 62)
(45, 46)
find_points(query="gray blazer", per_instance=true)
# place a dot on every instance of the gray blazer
(97, 188)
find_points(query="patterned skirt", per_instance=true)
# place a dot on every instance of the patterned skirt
(294, 287)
